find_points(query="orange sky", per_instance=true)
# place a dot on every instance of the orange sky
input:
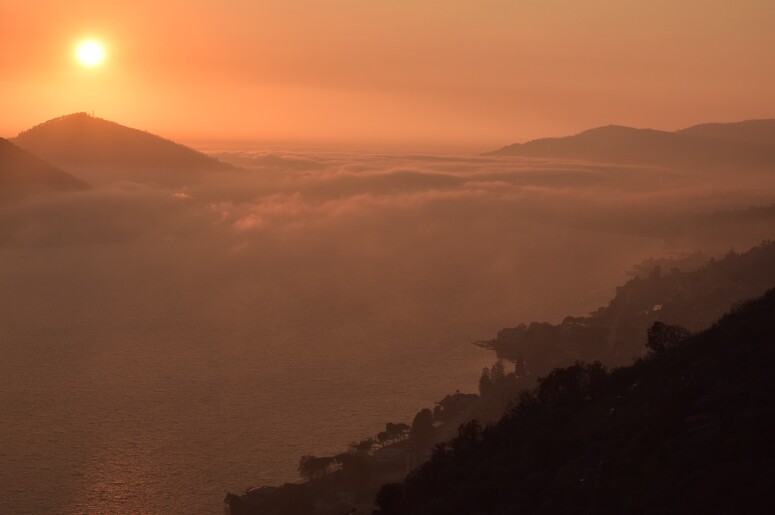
(475, 72)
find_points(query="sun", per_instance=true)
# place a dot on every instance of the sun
(90, 53)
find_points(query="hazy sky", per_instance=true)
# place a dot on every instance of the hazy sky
(483, 72)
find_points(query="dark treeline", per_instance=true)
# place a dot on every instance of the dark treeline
(560, 412)
(686, 429)
(661, 291)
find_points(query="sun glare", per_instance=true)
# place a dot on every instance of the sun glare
(90, 53)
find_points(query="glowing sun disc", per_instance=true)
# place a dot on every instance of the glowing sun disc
(90, 53)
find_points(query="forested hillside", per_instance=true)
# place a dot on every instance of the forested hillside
(687, 429)
(661, 290)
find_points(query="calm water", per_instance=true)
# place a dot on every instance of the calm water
(141, 405)
(159, 351)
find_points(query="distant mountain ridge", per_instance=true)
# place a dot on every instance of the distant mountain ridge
(22, 173)
(748, 144)
(80, 140)
(761, 131)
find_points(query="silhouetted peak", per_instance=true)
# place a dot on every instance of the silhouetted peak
(83, 115)
(83, 140)
(67, 121)
(749, 143)
(617, 130)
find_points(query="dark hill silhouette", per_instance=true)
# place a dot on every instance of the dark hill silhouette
(22, 173)
(686, 430)
(694, 293)
(614, 333)
(80, 141)
(752, 131)
(749, 144)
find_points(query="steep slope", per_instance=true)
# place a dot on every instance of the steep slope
(746, 144)
(614, 333)
(695, 293)
(22, 173)
(80, 141)
(686, 430)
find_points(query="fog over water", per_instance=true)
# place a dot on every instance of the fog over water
(161, 346)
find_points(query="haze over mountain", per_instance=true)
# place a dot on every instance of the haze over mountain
(22, 173)
(104, 150)
(752, 131)
(749, 144)
(240, 308)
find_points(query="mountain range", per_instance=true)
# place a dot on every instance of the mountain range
(749, 144)
(100, 152)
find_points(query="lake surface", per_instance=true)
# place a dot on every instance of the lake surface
(160, 348)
